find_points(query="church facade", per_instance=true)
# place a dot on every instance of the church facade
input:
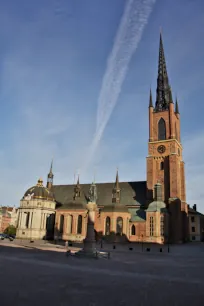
(154, 210)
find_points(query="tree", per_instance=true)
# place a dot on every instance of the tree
(10, 230)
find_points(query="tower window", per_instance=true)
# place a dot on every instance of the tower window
(70, 224)
(161, 129)
(133, 230)
(151, 223)
(79, 225)
(107, 229)
(27, 219)
(192, 219)
(162, 225)
(119, 226)
(162, 166)
(61, 224)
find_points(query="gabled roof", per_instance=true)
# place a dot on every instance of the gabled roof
(132, 194)
(194, 212)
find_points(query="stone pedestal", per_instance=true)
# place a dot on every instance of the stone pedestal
(89, 248)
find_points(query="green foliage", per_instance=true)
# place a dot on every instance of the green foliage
(10, 230)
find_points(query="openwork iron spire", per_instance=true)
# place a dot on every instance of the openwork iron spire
(163, 89)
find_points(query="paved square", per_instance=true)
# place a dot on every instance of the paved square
(43, 277)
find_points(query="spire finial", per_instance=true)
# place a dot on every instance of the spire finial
(50, 177)
(117, 180)
(77, 188)
(160, 30)
(150, 98)
(51, 165)
(78, 180)
(50, 174)
(116, 190)
(94, 176)
(163, 88)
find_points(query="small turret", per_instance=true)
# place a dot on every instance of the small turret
(50, 177)
(116, 190)
(77, 190)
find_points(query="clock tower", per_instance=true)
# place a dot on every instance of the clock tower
(165, 164)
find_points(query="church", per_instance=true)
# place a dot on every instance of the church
(154, 210)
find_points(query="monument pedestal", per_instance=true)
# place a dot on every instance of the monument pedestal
(89, 250)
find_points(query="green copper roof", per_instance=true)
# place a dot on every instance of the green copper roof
(157, 206)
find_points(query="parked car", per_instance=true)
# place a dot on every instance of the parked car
(6, 236)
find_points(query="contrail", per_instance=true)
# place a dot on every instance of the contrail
(133, 21)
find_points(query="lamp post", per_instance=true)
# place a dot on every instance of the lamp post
(142, 242)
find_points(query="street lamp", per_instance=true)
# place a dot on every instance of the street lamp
(142, 243)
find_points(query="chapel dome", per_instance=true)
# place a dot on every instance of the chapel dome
(39, 192)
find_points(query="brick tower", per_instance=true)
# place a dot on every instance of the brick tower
(164, 162)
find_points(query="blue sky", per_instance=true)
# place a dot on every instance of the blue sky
(53, 57)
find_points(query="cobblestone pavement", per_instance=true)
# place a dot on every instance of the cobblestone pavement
(40, 277)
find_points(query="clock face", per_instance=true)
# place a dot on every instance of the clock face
(161, 149)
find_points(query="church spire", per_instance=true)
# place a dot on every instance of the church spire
(116, 190)
(177, 107)
(78, 181)
(50, 177)
(150, 99)
(77, 189)
(163, 88)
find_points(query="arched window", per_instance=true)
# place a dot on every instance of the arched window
(119, 226)
(107, 228)
(161, 129)
(162, 166)
(162, 225)
(61, 224)
(151, 227)
(133, 230)
(69, 224)
(79, 225)
(27, 219)
(179, 152)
